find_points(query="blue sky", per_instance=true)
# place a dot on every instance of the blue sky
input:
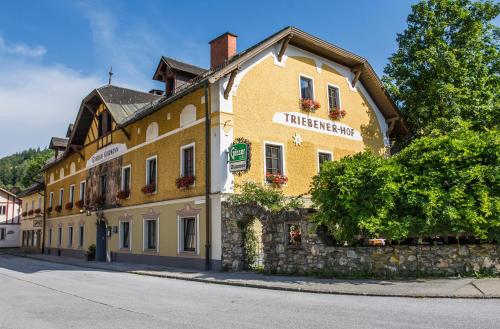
(54, 52)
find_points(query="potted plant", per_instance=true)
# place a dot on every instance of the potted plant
(122, 195)
(68, 206)
(31, 212)
(336, 113)
(295, 235)
(149, 189)
(49, 210)
(79, 204)
(24, 214)
(184, 182)
(58, 208)
(277, 180)
(90, 253)
(309, 105)
(99, 201)
(38, 211)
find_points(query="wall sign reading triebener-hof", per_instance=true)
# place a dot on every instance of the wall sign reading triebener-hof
(239, 155)
(105, 154)
(311, 123)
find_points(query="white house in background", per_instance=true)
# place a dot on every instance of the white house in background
(10, 219)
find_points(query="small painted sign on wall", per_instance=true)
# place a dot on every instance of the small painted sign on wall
(315, 124)
(105, 154)
(238, 157)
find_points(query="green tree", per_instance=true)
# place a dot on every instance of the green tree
(447, 65)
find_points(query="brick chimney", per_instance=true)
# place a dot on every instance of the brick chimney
(222, 48)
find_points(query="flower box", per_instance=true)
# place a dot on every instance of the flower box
(122, 195)
(68, 206)
(79, 204)
(38, 211)
(184, 182)
(24, 214)
(99, 201)
(276, 180)
(49, 210)
(336, 113)
(30, 213)
(309, 105)
(149, 189)
(58, 208)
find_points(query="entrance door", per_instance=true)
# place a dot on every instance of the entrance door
(100, 250)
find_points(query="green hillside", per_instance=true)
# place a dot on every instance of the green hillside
(21, 169)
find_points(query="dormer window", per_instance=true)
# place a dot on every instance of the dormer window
(104, 124)
(170, 86)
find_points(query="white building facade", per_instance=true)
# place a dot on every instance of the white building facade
(10, 219)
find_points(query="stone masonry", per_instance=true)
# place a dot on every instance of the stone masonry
(314, 255)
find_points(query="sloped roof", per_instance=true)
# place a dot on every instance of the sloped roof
(7, 192)
(35, 187)
(177, 65)
(58, 143)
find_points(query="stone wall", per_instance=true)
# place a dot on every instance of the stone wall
(313, 254)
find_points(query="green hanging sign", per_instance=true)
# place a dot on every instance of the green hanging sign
(238, 157)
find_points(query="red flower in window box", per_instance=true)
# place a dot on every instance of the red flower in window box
(184, 182)
(68, 206)
(277, 180)
(58, 208)
(49, 210)
(309, 105)
(122, 195)
(30, 213)
(336, 113)
(79, 204)
(149, 189)
(99, 201)
(24, 214)
(38, 211)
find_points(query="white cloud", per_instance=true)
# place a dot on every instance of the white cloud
(22, 49)
(38, 102)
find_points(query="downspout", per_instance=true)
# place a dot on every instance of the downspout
(208, 212)
(43, 220)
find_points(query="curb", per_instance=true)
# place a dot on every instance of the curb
(260, 286)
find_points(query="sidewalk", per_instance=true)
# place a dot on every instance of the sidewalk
(416, 288)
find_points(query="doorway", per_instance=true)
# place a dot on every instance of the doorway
(101, 241)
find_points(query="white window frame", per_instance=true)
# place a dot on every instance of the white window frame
(144, 235)
(82, 191)
(72, 194)
(180, 235)
(59, 236)
(181, 157)
(301, 75)
(322, 151)
(2, 210)
(156, 173)
(328, 84)
(283, 160)
(51, 199)
(39, 202)
(81, 238)
(122, 180)
(70, 237)
(61, 196)
(120, 238)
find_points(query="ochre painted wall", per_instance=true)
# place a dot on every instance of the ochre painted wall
(268, 88)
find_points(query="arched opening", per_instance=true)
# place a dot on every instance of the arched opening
(253, 252)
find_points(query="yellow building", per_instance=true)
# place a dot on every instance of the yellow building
(32, 217)
(131, 175)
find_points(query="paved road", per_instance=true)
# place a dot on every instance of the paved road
(37, 294)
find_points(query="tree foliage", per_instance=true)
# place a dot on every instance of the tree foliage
(447, 65)
(267, 196)
(22, 169)
(439, 185)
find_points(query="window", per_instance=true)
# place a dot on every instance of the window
(274, 159)
(50, 237)
(72, 194)
(170, 86)
(51, 199)
(2, 233)
(151, 172)
(61, 194)
(323, 157)
(125, 184)
(70, 236)
(125, 235)
(33, 204)
(39, 202)
(187, 160)
(306, 88)
(81, 232)
(104, 124)
(103, 184)
(59, 236)
(333, 97)
(150, 234)
(82, 191)
(2, 210)
(188, 234)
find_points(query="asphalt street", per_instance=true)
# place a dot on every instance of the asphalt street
(38, 294)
